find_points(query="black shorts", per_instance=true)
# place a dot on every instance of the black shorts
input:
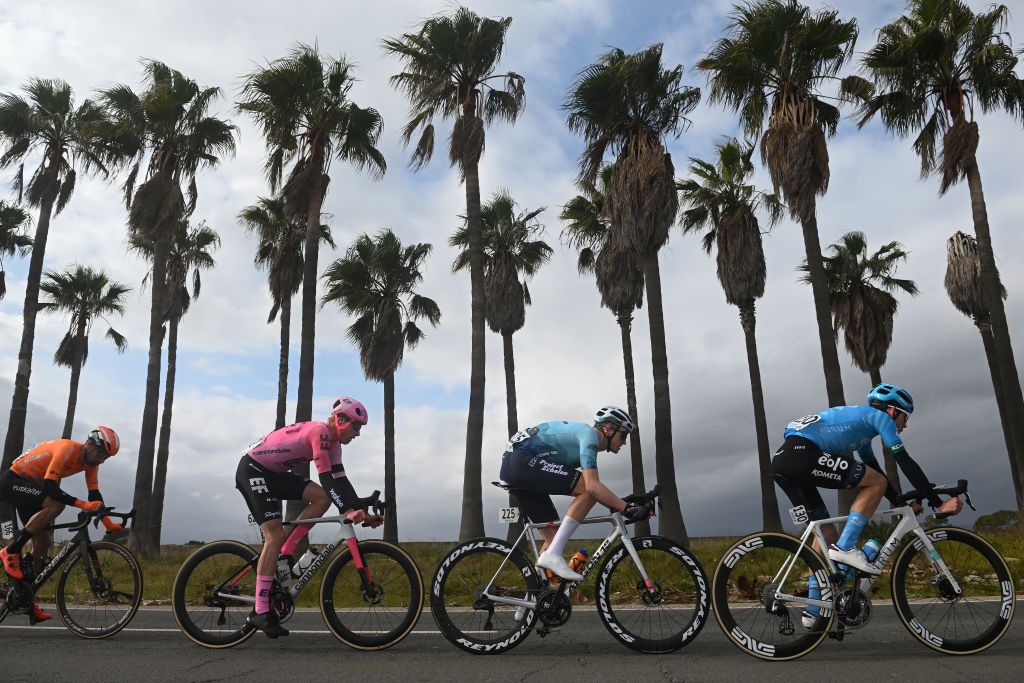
(26, 495)
(800, 468)
(264, 490)
(535, 479)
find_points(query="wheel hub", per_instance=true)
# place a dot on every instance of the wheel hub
(653, 595)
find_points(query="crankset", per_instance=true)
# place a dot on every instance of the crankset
(283, 605)
(853, 607)
(554, 608)
(20, 597)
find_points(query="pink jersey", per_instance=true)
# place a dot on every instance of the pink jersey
(295, 444)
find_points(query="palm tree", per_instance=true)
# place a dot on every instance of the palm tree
(165, 127)
(620, 282)
(376, 282)
(963, 285)
(301, 104)
(450, 72)
(931, 69)
(724, 205)
(770, 70)
(279, 252)
(84, 294)
(627, 105)
(191, 251)
(863, 307)
(510, 252)
(68, 140)
(13, 219)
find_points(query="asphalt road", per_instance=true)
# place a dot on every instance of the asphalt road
(152, 648)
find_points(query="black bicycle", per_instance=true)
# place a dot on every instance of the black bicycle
(370, 598)
(98, 590)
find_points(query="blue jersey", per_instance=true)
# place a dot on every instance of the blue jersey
(845, 429)
(569, 443)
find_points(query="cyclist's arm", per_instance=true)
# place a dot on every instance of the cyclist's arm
(330, 470)
(603, 494)
(893, 445)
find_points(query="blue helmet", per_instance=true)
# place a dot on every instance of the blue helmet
(885, 395)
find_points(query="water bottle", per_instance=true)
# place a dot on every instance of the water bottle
(871, 549)
(579, 560)
(307, 559)
(284, 571)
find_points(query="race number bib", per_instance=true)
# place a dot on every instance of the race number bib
(803, 422)
(7, 530)
(521, 435)
(508, 515)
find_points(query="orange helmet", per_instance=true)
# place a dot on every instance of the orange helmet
(106, 438)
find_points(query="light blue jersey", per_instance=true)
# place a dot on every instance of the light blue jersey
(845, 429)
(570, 443)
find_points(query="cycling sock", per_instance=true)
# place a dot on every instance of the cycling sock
(814, 593)
(565, 531)
(19, 542)
(851, 532)
(298, 533)
(263, 584)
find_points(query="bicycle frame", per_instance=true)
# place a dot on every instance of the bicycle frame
(345, 535)
(908, 524)
(618, 532)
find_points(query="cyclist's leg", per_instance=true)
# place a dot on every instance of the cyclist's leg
(42, 537)
(317, 503)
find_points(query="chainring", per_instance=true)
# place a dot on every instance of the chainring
(19, 597)
(554, 608)
(283, 605)
(853, 612)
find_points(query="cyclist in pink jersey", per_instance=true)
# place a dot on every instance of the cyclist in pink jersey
(264, 480)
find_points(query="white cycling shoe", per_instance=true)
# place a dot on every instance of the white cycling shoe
(808, 619)
(557, 564)
(853, 557)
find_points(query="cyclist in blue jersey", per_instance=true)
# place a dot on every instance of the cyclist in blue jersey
(560, 458)
(818, 453)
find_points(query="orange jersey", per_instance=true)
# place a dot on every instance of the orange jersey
(55, 460)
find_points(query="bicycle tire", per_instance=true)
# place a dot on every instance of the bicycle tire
(87, 609)
(192, 587)
(623, 600)
(925, 611)
(368, 623)
(454, 601)
(740, 603)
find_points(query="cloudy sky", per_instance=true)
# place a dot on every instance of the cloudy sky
(568, 357)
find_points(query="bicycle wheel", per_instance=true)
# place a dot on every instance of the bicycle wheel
(743, 593)
(662, 619)
(930, 609)
(378, 618)
(467, 618)
(203, 590)
(99, 591)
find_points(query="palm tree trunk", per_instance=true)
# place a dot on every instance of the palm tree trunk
(1009, 379)
(671, 525)
(304, 400)
(282, 366)
(472, 523)
(515, 528)
(826, 332)
(892, 470)
(142, 498)
(76, 374)
(390, 516)
(997, 386)
(636, 458)
(769, 503)
(15, 439)
(163, 450)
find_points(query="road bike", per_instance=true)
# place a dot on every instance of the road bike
(98, 590)
(370, 598)
(652, 594)
(950, 588)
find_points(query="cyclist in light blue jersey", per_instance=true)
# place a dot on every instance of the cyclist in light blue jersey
(818, 452)
(560, 458)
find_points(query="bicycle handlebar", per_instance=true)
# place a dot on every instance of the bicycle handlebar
(952, 491)
(96, 515)
(370, 502)
(645, 499)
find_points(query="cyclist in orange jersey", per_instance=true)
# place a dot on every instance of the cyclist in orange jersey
(32, 486)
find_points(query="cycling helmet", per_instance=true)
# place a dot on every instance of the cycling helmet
(349, 409)
(886, 395)
(617, 416)
(106, 438)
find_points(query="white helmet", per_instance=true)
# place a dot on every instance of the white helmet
(616, 415)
